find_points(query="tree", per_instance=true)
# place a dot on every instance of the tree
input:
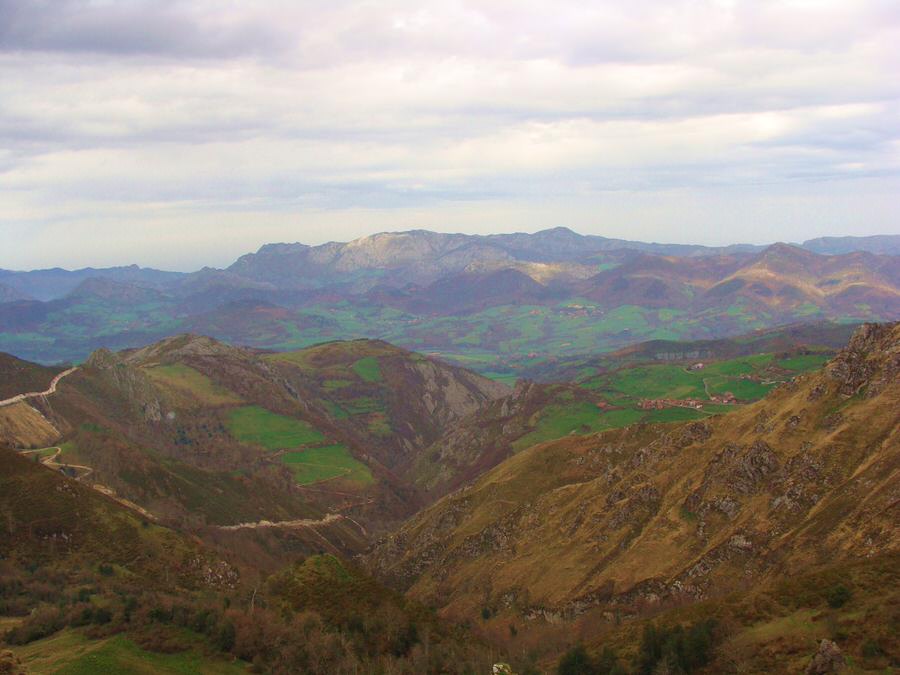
(576, 662)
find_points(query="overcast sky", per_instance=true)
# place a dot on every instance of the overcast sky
(179, 134)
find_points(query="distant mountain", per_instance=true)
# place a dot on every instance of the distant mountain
(51, 284)
(494, 299)
(10, 294)
(882, 244)
(113, 292)
(421, 257)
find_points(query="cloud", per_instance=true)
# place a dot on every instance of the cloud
(292, 114)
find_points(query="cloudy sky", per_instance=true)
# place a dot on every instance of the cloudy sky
(180, 133)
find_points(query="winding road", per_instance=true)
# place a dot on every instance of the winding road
(18, 398)
(53, 463)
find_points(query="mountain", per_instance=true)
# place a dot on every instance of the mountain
(883, 244)
(591, 531)
(112, 292)
(10, 294)
(217, 438)
(482, 301)
(75, 557)
(18, 376)
(52, 284)
(420, 256)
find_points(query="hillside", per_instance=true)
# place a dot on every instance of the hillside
(10, 294)
(228, 441)
(74, 557)
(90, 586)
(884, 244)
(390, 400)
(627, 522)
(659, 381)
(815, 337)
(18, 376)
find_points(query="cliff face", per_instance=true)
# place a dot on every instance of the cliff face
(647, 514)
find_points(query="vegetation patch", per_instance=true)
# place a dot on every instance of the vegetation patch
(256, 425)
(72, 653)
(191, 383)
(556, 421)
(313, 465)
(368, 369)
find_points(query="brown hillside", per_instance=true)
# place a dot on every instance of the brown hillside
(633, 518)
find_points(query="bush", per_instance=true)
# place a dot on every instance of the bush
(101, 616)
(576, 662)
(837, 596)
(45, 620)
(681, 649)
(225, 636)
(871, 649)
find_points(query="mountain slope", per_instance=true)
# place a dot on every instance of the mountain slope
(228, 440)
(632, 519)
(393, 402)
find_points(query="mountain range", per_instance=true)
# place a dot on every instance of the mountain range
(488, 302)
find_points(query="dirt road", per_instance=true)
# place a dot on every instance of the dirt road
(35, 394)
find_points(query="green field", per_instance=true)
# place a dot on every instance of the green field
(316, 464)
(803, 363)
(71, 653)
(368, 369)
(748, 378)
(309, 455)
(256, 425)
(656, 381)
(187, 381)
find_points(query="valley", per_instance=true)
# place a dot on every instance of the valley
(556, 450)
(449, 338)
(567, 487)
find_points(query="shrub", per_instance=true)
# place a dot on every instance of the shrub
(837, 596)
(45, 620)
(680, 649)
(225, 636)
(871, 650)
(101, 616)
(576, 661)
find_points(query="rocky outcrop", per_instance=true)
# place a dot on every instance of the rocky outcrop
(130, 384)
(827, 660)
(868, 353)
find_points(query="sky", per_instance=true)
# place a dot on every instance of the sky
(178, 134)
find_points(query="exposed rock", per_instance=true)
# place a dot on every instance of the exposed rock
(827, 660)
(854, 366)
(10, 664)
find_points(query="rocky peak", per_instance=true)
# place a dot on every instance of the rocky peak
(182, 346)
(871, 358)
(103, 359)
